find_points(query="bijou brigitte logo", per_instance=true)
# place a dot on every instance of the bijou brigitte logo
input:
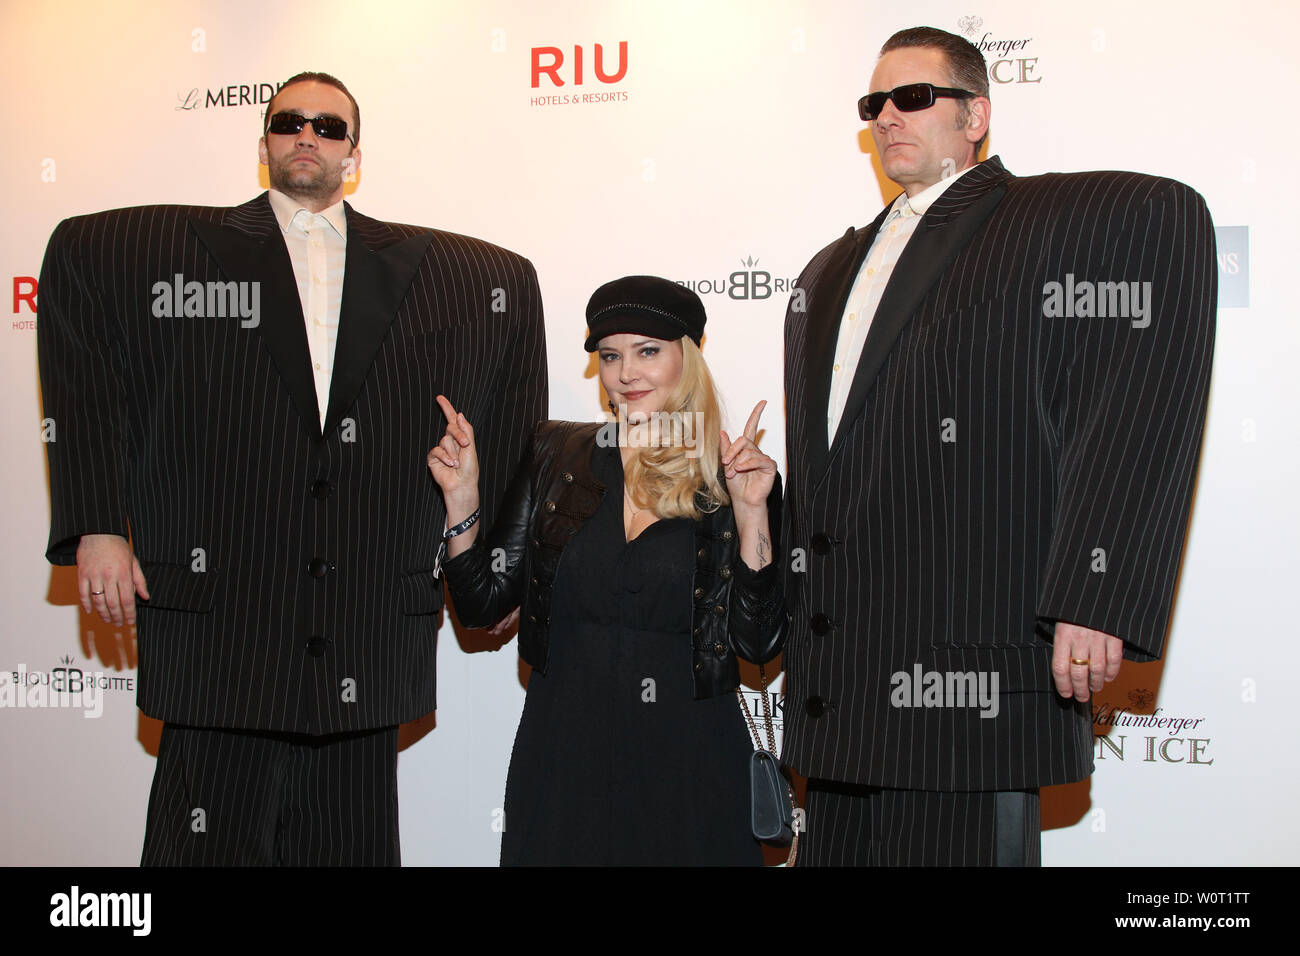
(64, 687)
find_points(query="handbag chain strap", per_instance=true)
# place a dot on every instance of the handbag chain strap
(767, 714)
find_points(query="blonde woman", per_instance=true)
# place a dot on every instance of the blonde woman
(641, 555)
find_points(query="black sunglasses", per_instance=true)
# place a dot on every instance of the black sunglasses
(326, 127)
(907, 99)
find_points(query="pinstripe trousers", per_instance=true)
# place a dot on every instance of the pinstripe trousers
(252, 798)
(850, 825)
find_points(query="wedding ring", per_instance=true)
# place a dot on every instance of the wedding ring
(1080, 660)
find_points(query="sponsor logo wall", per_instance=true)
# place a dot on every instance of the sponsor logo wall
(717, 144)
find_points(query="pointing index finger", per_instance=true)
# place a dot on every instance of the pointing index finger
(447, 408)
(751, 426)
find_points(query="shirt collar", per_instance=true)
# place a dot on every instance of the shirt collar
(919, 204)
(286, 208)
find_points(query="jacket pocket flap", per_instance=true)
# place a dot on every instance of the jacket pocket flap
(421, 592)
(178, 587)
(1014, 667)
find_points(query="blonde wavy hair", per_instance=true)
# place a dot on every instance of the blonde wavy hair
(667, 480)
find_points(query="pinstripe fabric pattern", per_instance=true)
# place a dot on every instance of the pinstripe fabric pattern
(985, 453)
(237, 798)
(203, 437)
(868, 826)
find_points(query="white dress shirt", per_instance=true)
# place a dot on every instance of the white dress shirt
(317, 244)
(868, 288)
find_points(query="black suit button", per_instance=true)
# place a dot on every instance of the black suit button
(816, 707)
(821, 543)
(699, 593)
(820, 623)
(726, 535)
(568, 477)
(720, 650)
(719, 610)
(316, 647)
(550, 507)
(531, 617)
(317, 567)
(702, 554)
(698, 667)
(726, 574)
(320, 488)
(537, 543)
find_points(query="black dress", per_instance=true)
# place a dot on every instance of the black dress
(615, 761)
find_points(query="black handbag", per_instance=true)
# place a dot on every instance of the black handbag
(771, 797)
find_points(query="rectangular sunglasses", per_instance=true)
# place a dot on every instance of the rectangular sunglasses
(326, 127)
(907, 99)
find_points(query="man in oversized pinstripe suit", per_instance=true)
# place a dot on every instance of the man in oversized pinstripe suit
(244, 403)
(995, 398)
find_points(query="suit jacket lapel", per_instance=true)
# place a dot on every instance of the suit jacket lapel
(248, 246)
(825, 307)
(942, 232)
(380, 265)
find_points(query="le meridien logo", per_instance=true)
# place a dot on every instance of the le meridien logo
(234, 94)
(76, 908)
(208, 300)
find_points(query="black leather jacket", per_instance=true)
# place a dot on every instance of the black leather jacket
(735, 610)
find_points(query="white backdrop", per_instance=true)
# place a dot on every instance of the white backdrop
(729, 145)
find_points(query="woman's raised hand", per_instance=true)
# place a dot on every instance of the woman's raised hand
(750, 473)
(453, 462)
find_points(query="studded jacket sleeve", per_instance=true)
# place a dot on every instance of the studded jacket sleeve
(487, 581)
(757, 612)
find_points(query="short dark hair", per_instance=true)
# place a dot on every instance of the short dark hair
(966, 67)
(354, 128)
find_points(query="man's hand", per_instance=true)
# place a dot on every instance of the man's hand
(1102, 654)
(109, 578)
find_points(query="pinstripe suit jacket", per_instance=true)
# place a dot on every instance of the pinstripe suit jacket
(990, 462)
(289, 566)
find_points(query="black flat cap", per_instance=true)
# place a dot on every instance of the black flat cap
(646, 305)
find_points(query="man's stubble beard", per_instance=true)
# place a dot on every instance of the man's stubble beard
(310, 185)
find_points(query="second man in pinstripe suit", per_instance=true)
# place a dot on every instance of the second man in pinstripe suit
(995, 397)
